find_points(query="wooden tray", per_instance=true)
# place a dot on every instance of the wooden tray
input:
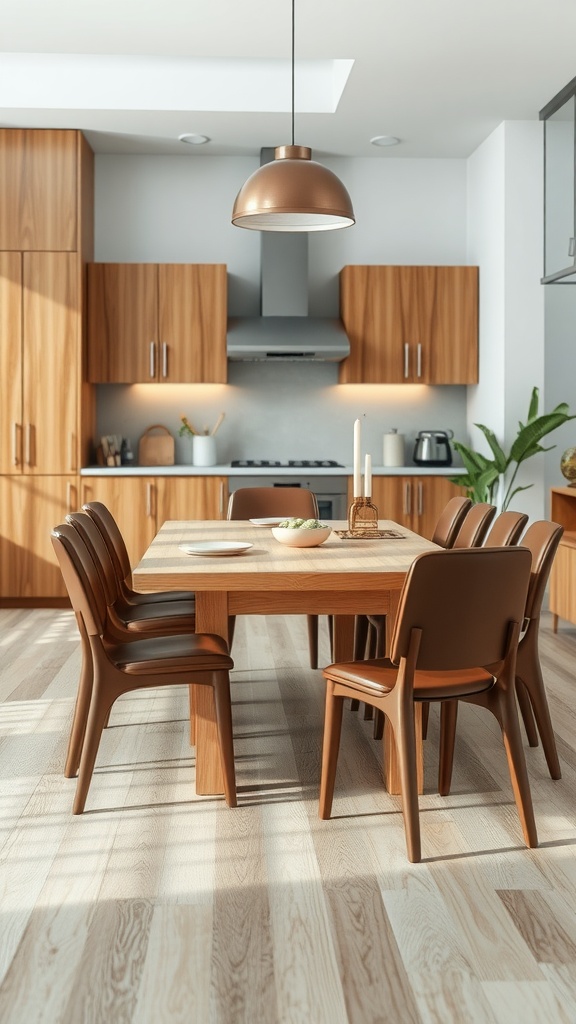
(156, 449)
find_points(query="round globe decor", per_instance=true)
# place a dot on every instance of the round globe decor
(568, 466)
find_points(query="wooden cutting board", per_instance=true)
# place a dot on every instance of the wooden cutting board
(156, 449)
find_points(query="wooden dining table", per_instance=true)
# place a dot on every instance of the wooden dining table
(343, 577)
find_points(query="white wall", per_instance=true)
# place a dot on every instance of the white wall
(163, 209)
(505, 240)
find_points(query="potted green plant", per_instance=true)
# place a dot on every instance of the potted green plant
(486, 479)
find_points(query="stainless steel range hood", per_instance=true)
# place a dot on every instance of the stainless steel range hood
(284, 331)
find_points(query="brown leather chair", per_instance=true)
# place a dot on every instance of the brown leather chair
(506, 529)
(475, 526)
(264, 502)
(450, 520)
(460, 646)
(121, 561)
(541, 539)
(198, 659)
(124, 622)
(370, 631)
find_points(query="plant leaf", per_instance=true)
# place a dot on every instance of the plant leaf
(506, 503)
(533, 432)
(533, 407)
(499, 456)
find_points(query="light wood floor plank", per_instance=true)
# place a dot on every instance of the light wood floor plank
(157, 906)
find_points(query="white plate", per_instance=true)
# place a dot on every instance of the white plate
(214, 547)
(269, 521)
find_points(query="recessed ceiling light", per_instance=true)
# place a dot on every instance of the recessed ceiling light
(193, 140)
(384, 140)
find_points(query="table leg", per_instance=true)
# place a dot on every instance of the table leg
(343, 638)
(211, 617)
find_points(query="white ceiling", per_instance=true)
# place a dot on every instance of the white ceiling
(439, 74)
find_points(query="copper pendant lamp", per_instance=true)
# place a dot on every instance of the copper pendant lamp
(293, 192)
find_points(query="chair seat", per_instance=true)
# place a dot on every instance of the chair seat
(379, 675)
(202, 652)
(135, 597)
(173, 616)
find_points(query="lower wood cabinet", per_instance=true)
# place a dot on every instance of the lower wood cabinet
(563, 575)
(413, 501)
(30, 507)
(141, 504)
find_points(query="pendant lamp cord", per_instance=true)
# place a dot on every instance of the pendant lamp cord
(293, 36)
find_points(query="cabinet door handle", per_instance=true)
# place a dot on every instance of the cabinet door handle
(69, 496)
(406, 360)
(420, 498)
(419, 360)
(72, 451)
(407, 498)
(28, 445)
(149, 500)
(152, 359)
(164, 359)
(15, 445)
(222, 498)
(572, 247)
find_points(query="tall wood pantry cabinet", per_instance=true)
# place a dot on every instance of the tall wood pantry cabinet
(46, 409)
(157, 322)
(410, 325)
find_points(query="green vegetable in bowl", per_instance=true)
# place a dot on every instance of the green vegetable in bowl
(302, 524)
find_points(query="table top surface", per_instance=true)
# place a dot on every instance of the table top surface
(270, 565)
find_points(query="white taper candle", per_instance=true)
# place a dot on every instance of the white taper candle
(357, 470)
(368, 476)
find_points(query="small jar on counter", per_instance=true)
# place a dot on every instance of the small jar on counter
(393, 449)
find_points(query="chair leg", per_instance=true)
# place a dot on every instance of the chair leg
(330, 747)
(231, 628)
(313, 639)
(517, 767)
(378, 724)
(102, 700)
(405, 740)
(354, 704)
(360, 637)
(539, 703)
(425, 717)
(448, 719)
(81, 710)
(525, 705)
(225, 734)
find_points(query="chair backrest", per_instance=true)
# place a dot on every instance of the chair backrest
(259, 502)
(98, 549)
(475, 526)
(113, 537)
(84, 586)
(450, 521)
(464, 601)
(506, 529)
(542, 540)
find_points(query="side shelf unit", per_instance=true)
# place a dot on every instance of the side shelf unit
(563, 575)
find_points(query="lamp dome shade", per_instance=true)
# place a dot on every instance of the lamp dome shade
(293, 193)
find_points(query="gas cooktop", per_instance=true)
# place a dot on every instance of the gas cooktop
(292, 463)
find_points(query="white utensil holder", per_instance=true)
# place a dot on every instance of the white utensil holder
(203, 450)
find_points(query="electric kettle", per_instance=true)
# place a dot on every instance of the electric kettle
(432, 448)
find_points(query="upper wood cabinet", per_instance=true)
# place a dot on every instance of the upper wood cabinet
(410, 325)
(157, 322)
(44, 178)
(40, 362)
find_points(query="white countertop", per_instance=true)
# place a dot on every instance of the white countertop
(267, 471)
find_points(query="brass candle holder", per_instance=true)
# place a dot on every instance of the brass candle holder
(363, 518)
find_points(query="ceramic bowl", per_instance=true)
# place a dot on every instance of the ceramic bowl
(300, 538)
